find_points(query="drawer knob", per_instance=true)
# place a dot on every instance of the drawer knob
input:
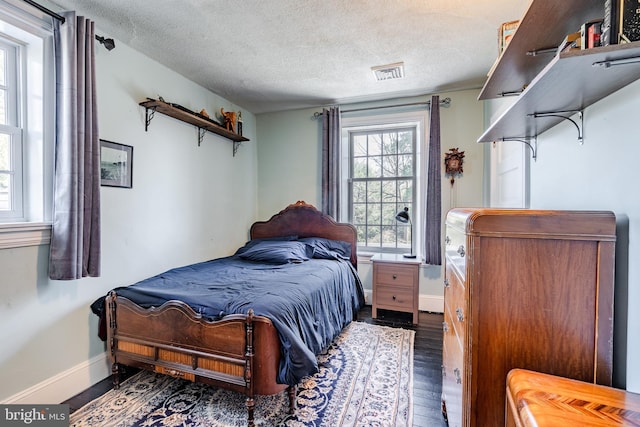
(459, 314)
(395, 277)
(393, 297)
(461, 251)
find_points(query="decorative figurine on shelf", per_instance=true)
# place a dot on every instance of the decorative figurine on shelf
(453, 163)
(240, 123)
(229, 119)
(204, 113)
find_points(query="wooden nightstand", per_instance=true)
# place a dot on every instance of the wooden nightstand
(395, 284)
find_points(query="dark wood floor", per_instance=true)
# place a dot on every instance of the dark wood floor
(427, 365)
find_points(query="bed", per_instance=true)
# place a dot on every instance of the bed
(247, 322)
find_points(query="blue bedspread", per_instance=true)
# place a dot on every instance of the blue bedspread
(308, 302)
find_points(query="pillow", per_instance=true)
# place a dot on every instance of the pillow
(252, 243)
(278, 252)
(327, 248)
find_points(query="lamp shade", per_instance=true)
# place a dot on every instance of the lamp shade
(403, 215)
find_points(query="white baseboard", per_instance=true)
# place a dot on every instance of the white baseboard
(65, 384)
(368, 296)
(431, 303)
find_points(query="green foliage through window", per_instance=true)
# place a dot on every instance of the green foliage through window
(382, 182)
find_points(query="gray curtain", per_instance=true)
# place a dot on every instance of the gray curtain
(75, 237)
(432, 250)
(331, 162)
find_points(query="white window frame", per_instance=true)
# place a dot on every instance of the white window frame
(11, 128)
(417, 119)
(31, 31)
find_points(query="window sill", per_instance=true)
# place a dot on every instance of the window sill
(18, 235)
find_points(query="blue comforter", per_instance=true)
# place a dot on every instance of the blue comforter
(308, 302)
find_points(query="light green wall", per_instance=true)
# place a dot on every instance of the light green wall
(187, 204)
(289, 156)
(601, 174)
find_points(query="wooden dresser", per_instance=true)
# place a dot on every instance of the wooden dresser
(395, 284)
(525, 289)
(536, 399)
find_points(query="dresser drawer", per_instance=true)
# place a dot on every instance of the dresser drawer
(456, 304)
(456, 249)
(394, 298)
(394, 275)
(453, 374)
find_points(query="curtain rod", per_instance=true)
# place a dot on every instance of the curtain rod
(45, 10)
(446, 102)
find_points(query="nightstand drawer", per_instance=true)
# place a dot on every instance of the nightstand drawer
(394, 298)
(395, 275)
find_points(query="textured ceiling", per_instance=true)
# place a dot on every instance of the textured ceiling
(271, 55)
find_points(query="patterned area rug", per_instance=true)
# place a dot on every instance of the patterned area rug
(365, 379)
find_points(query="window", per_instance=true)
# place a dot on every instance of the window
(381, 171)
(26, 125)
(11, 201)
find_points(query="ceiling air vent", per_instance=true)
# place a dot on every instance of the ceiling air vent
(389, 72)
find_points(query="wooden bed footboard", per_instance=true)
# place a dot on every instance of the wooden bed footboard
(239, 352)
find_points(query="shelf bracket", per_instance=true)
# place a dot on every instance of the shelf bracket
(613, 62)
(560, 114)
(201, 132)
(148, 117)
(531, 142)
(511, 93)
(236, 144)
(542, 51)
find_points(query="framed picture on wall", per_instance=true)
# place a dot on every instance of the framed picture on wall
(116, 164)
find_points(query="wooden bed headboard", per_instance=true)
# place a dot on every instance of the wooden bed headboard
(304, 220)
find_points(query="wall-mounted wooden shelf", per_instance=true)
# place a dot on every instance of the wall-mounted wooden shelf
(569, 83)
(552, 87)
(544, 26)
(203, 123)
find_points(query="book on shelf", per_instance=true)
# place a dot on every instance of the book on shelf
(594, 33)
(505, 33)
(629, 21)
(610, 23)
(590, 34)
(621, 22)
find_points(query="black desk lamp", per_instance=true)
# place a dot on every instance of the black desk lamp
(403, 217)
